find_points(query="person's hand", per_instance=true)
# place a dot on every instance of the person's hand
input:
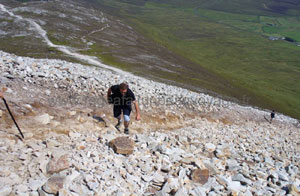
(138, 117)
(1, 95)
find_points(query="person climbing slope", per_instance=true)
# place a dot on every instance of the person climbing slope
(122, 98)
(272, 116)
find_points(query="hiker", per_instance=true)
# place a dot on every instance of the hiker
(272, 116)
(122, 98)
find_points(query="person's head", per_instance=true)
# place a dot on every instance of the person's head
(123, 88)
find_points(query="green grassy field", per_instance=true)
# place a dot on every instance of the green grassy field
(229, 39)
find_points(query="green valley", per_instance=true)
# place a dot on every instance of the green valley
(230, 39)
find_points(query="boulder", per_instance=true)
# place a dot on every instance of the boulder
(122, 145)
(56, 165)
(200, 176)
(54, 184)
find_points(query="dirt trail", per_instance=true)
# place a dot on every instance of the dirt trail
(37, 117)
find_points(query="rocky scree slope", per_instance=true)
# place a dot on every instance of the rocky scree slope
(181, 146)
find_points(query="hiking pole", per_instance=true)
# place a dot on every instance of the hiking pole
(13, 118)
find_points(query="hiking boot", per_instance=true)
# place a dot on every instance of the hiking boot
(126, 131)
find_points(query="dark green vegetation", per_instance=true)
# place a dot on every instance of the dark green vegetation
(230, 39)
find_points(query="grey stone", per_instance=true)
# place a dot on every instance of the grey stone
(198, 191)
(181, 192)
(158, 178)
(211, 167)
(36, 184)
(274, 175)
(21, 188)
(147, 178)
(166, 168)
(269, 161)
(9, 76)
(5, 190)
(65, 192)
(212, 193)
(200, 176)
(281, 192)
(48, 92)
(292, 170)
(70, 178)
(120, 193)
(57, 164)
(187, 160)
(93, 185)
(232, 165)
(261, 174)
(235, 186)
(43, 119)
(74, 135)
(122, 145)
(39, 74)
(34, 193)
(171, 184)
(224, 151)
(210, 147)
(241, 178)
(161, 193)
(256, 158)
(54, 184)
(283, 176)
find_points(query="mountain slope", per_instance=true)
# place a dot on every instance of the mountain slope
(232, 39)
(186, 143)
(210, 46)
(90, 31)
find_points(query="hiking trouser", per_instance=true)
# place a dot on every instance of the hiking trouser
(126, 112)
